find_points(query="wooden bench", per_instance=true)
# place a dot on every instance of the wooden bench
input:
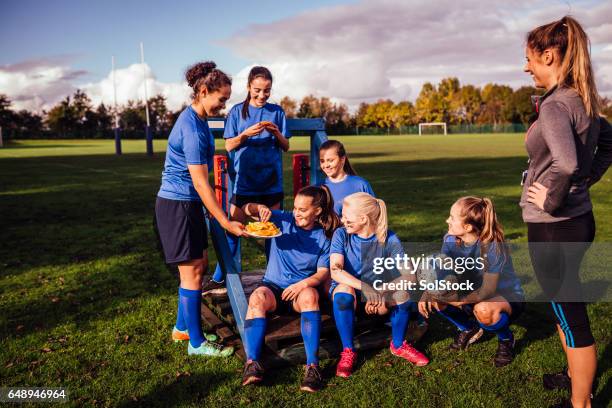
(283, 343)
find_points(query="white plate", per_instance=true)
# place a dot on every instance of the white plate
(263, 236)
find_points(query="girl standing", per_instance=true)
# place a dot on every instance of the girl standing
(184, 188)
(342, 179)
(255, 136)
(569, 149)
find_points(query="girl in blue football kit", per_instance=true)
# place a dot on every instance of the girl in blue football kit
(476, 236)
(365, 233)
(255, 136)
(184, 188)
(342, 179)
(298, 263)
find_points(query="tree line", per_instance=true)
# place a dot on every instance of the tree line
(448, 101)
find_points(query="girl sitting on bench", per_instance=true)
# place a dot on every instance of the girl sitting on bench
(364, 232)
(298, 263)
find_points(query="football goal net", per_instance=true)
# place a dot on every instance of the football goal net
(432, 128)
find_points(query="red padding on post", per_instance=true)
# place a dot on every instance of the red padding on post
(301, 172)
(221, 180)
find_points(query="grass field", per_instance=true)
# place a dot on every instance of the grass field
(87, 303)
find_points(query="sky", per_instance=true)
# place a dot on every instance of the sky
(349, 50)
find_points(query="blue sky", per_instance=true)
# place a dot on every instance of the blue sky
(351, 51)
(89, 32)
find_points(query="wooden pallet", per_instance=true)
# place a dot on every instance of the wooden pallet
(283, 344)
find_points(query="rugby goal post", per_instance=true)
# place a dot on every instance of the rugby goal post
(432, 124)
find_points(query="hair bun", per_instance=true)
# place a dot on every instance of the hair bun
(197, 71)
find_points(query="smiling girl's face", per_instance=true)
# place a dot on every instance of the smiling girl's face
(543, 67)
(259, 89)
(214, 102)
(456, 226)
(354, 222)
(304, 212)
(331, 163)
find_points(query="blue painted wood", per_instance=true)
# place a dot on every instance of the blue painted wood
(235, 292)
(316, 140)
(310, 124)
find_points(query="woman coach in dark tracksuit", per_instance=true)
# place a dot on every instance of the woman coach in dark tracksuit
(570, 148)
(184, 187)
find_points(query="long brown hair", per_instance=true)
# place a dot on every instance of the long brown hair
(322, 198)
(255, 72)
(480, 214)
(572, 43)
(341, 152)
(206, 74)
(374, 209)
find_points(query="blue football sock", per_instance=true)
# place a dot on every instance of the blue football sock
(400, 317)
(344, 315)
(501, 327)
(232, 242)
(458, 317)
(180, 324)
(254, 333)
(191, 304)
(311, 333)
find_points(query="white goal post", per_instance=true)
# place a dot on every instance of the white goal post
(422, 125)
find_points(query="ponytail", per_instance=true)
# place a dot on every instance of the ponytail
(341, 152)
(480, 214)
(255, 72)
(322, 198)
(374, 209)
(381, 222)
(572, 43)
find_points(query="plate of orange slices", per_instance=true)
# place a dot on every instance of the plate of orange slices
(265, 230)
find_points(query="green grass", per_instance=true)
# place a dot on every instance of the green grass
(87, 303)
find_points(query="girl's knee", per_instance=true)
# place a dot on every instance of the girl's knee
(308, 299)
(485, 314)
(258, 300)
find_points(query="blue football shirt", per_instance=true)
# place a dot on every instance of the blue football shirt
(257, 163)
(351, 184)
(190, 142)
(297, 253)
(359, 254)
(497, 263)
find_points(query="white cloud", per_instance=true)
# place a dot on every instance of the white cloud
(40, 84)
(359, 52)
(388, 49)
(130, 86)
(36, 84)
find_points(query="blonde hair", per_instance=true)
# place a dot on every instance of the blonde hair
(480, 214)
(572, 43)
(374, 209)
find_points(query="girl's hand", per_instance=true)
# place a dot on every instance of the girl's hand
(292, 291)
(253, 130)
(423, 308)
(264, 213)
(372, 307)
(536, 194)
(272, 128)
(427, 307)
(372, 296)
(236, 228)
